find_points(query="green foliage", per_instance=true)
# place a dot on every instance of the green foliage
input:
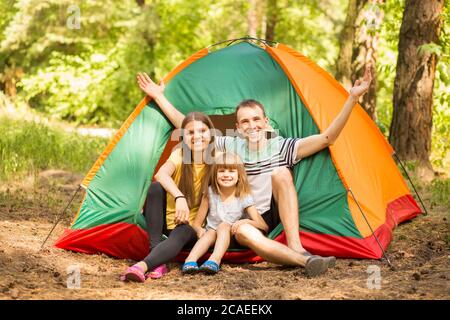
(387, 61)
(87, 75)
(430, 48)
(313, 28)
(386, 70)
(440, 189)
(184, 30)
(27, 147)
(440, 156)
(7, 11)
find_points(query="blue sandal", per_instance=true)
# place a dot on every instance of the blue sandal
(210, 267)
(189, 267)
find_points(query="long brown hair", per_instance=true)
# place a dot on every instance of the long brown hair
(228, 160)
(186, 184)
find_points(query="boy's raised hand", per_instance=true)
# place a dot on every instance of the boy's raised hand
(149, 87)
(361, 86)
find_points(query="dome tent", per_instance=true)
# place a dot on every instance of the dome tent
(351, 195)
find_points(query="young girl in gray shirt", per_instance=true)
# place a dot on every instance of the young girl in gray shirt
(228, 200)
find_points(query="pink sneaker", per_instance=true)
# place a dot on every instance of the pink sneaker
(133, 273)
(158, 272)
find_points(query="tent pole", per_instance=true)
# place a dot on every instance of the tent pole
(373, 233)
(60, 217)
(414, 187)
(243, 38)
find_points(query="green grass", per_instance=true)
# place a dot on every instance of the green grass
(28, 147)
(440, 189)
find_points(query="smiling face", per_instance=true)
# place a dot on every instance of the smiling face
(228, 172)
(196, 135)
(252, 123)
(227, 177)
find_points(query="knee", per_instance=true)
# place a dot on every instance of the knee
(189, 230)
(185, 232)
(212, 234)
(246, 234)
(282, 176)
(223, 227)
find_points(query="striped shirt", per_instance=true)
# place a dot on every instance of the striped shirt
(259, 164)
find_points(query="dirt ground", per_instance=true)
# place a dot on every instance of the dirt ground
(419, 252)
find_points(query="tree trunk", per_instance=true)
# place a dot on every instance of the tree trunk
(271, 19)
(344, 60)
(11, 75)
(252, 18)
(410, 131)
(365, 50)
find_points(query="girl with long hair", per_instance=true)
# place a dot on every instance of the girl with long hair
(174, 199)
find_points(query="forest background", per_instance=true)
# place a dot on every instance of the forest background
(77, 61)
(68, 81)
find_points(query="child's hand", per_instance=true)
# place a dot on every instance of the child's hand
(181, 211)
(149, 87)
(238, 223)
(200, 232)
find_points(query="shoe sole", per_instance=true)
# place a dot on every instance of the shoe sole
(190, 271)
(133, 277)
(208, 271)
(316, 267)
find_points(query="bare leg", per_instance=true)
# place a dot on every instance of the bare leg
(268, 249)
(276, 252)
(202, 246)
(285, 195)
(222, 242)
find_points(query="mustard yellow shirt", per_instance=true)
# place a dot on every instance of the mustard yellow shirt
(199, 174)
